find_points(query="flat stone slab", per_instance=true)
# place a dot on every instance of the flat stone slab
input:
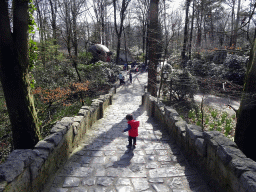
(71, 182)
(161, 188)
(140, 184)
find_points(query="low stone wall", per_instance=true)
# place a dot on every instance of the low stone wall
(217, 157)
(29, 169)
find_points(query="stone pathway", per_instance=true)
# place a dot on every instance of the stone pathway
(103, 163)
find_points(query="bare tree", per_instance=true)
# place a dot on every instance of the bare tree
(119, 29)
(42, 24)
(142, 10)
(53, 5)
(100, 10)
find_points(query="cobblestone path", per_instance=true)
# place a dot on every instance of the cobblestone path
(103, 163)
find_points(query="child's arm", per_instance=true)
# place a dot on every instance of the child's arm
(129, 127)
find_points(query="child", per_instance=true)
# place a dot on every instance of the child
(132, 130)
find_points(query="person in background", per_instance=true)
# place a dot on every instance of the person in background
(130, 76)
(120, 76)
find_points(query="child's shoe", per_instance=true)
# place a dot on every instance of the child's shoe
(128, 146)
(134, 146)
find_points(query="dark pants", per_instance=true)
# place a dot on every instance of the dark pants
(130, 140)
(122, 82)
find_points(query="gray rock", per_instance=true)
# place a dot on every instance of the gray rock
(98, 160)
(181, 126)
(200, 146)
(105, 181)
(238, 166)
(54, 138)
(67, 121)
(78, 118)
(36, 166)
(123, 181)
(83, 112)
(114, 172)
(45, 145)
(156, 180)
(11, 169)
(42, 153)
(248, 180)
(59, 128)
(71, 182)
(82, 172)
(88, 181)
(157, 173)
(225, 153)
(193, 134)
(25, 155)
(124, 189)
(140, 184)
(161, 188)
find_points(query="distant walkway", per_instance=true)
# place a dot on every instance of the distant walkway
(102, 163)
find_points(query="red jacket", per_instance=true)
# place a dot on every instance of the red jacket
(133, 132)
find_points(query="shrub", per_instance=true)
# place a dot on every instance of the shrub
(207, 56)
(184, 85)
(85, 57)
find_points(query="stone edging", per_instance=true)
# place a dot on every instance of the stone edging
(210, 151)
(29, 169)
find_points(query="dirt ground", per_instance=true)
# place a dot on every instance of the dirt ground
(219, 93)
(219, 103)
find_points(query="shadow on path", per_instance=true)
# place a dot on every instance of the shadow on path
(103, 163)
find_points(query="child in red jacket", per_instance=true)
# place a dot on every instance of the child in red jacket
(132, 130)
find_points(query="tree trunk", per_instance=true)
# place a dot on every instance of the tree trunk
(118, 48)
(245, 135)
(199, 30)
(232, 25)
(237, 21)
(191, 31)
(14, 75)
(147, 46)
(75, 44)
(143, 38)
(125, 48)
(183, 53)
(153, 44)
